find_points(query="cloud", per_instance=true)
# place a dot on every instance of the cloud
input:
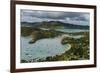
(43, 14)
(34, 16)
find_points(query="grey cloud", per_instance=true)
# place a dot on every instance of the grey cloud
(55, 14)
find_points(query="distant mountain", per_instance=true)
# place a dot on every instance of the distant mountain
(53, 24)
(30, 24)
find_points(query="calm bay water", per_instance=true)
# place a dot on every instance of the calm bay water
(42, 48)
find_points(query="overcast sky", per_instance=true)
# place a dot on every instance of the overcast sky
(79, 18)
